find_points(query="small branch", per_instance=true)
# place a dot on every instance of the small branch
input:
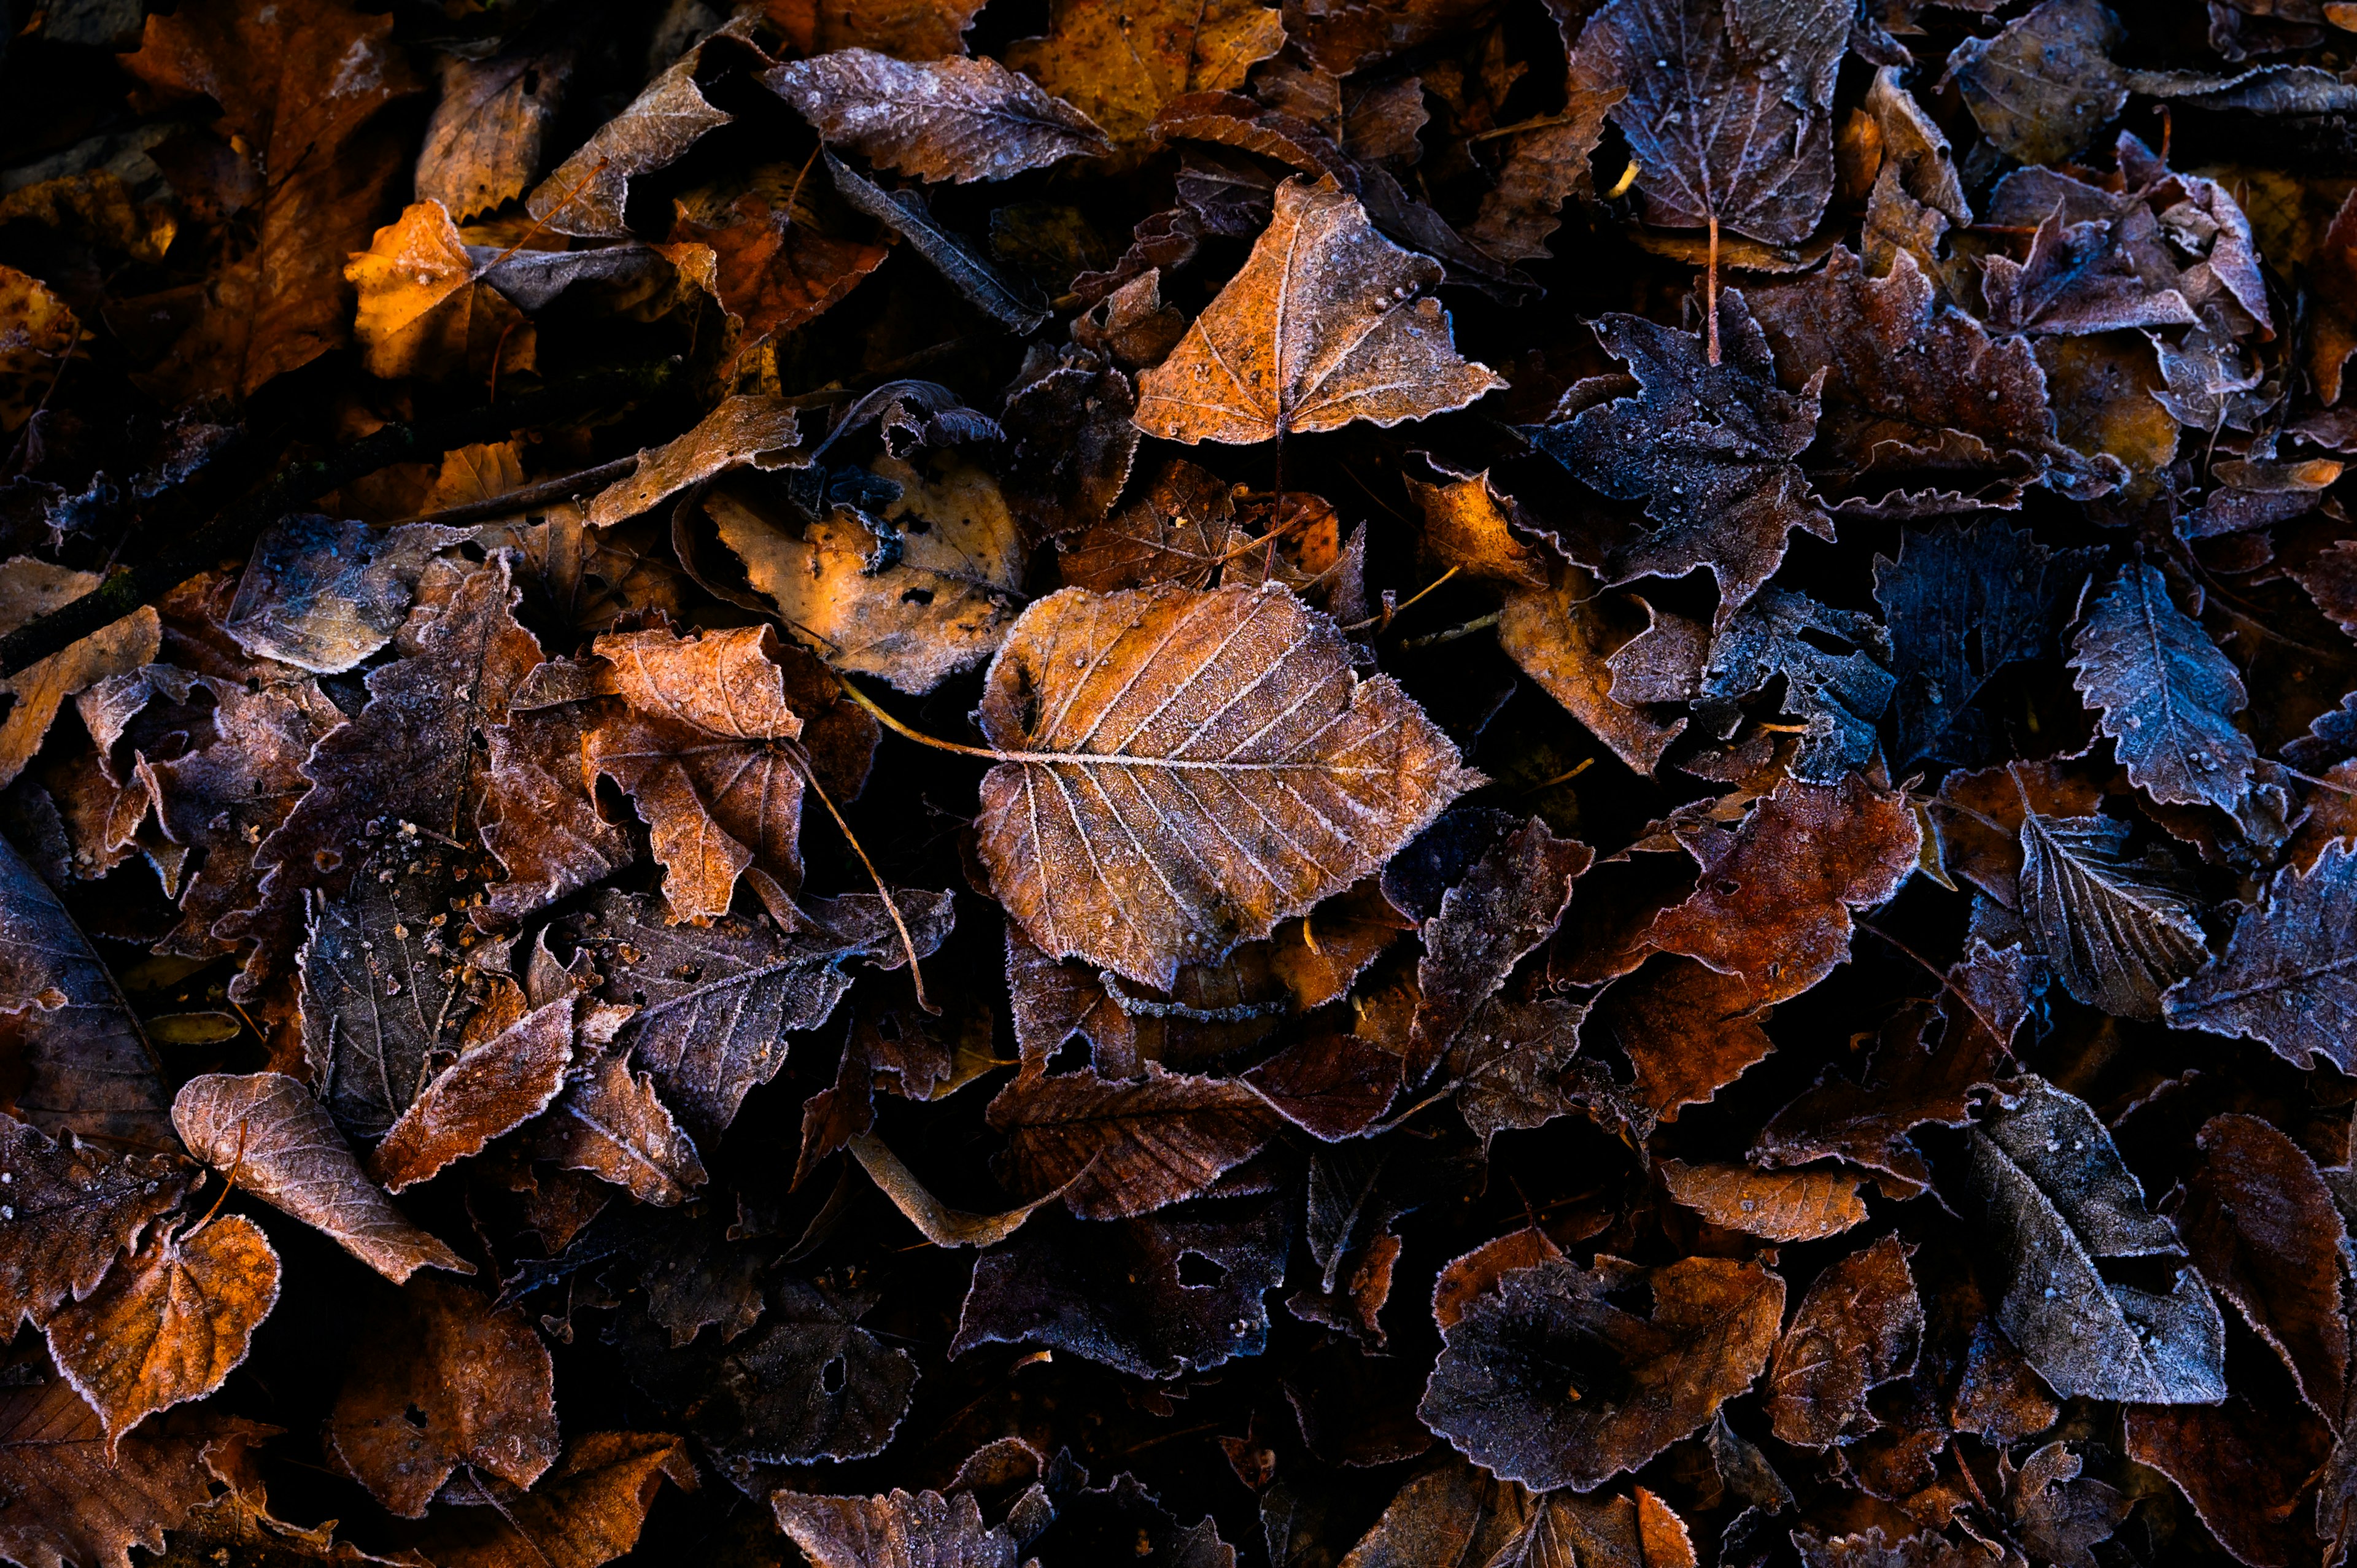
(232, 531)
(566, 487)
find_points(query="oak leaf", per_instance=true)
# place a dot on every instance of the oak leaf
(170, 1323)
(952, 119)
(443, 1378)
(1326, 324)
(1137, 730)
(1119, 65)
(287, 1152)
(1546, 1380)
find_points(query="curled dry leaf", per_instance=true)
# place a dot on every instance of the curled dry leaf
(287, 1152)
(1544, 1380)
(586, 193)
(170, 1323)
(1779, 1205)
(1324, 324)
(939, 1223)
(950, 119)
(743, 431)
(459, 1380)
(1184, 770)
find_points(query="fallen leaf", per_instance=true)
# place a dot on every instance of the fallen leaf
(72, 1211)
(2168, 695)
(1859, 1324)
(1119, 67)
(1779, 1205)
(108, 1496)
(776, 268)
(585, 195)
(492, 1088)
(1117, 1149)
(287, 1153)
(1689, 1031)
(1326, 324)
(2118, 931)
(1507, 905)
(484, 143)
(742, 432)
(1564, 639)
(38, 330)
(586, 1512)
(2042, 88)
(952, 119)
(424, 310)
(2242, 1470)
(2281, 977)
(30, 587)
(852, 1532)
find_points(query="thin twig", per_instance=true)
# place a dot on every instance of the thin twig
(564, 488)
(891, 905)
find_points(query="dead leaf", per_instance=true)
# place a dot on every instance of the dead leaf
(72, 1212)
(492, 1088)
(950, 119)
(30, 587)
(1119, 67)
(1780, 1206)
(1117, 1149)
(1859, 1324)
(585, 1512)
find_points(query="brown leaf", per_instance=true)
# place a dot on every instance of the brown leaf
(1689, 1031)
(71, 1211)
(588, 191)
(170, 1323)
(2261, 1226)
(2244, 1469)
(1545, 166)
(585, 1512)
(1980, 816)
(1322, 326)
(2058, 1512)
(483, 145)
(29, 587)
(324, 594)
(1185, 712)
(2042, 88)
(610, 1123)
(86, 1069)
(1332, 1086)
(493, 1087)
(423, 312)
(1116, 1149)
(287, 1152)
(1546, 1380)
(1508, 904)
(1859, 1324)
(1075, 441)
(1563, 638)
(1451, 1512)
(939, 1223)
(99, 1498)
(1509, 1061)
(1182, 531)
(1611, 1532)
(1119, 65)
(756, 431)
(1729, 111)
(1779, 1205)
(1776, 895)
(462, 653)
(905, 29)
(943, 605)
(773, 267)
(704, 748)
(284, 303)
(952, 119)
(39, 329)
(441, 1378)
(1468, 525)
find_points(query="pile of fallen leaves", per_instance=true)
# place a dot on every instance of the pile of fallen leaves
(1369, 784)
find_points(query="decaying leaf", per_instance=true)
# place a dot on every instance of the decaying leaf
(1091, 826)
(1781, 1205)
(1120, 66)
(1859, 1324)
(2282, 978)
(72, 1212)
(1118, 1149)
(950, 119)
(29, 587)
(1327, 324)
(100, 1498)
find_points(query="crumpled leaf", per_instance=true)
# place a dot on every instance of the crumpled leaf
(2283, 977)
(72, 1211)
(287, 1153)
(87, 1068)
(1707, 446)
(2043, 88)
(586, 193)
(445, 1377)
(750, 431)
(2059, 1512)
(169, 1324)
(1838, 695)
(1859, 1323)
(952, 119)
(1507, 905)
(2058, 1200)
(1111, 777)
(916, 591)
(1779, 1205)
(2118, 931)
(1775, 901)
(1728, 109)
(1326, 323)
(1546, 1380)
(1119, 65)
(1114, 1292)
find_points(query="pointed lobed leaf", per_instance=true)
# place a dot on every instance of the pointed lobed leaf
(1324, 324)
(1189, 769)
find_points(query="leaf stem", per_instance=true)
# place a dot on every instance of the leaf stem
(905, 733)
(1710, 287)
(891, 905)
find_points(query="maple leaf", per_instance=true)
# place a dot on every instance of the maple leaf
(2058, 1200)
(1728, 107)
(1119, 65)
(1776, 895)
(1547, 1381)
(1781, 1205)
(1324, 324)
(287, 1152)
(168, 1324)
(328, 159)
(1859, 1323)
(468, 1383)
(2117, 930)
(1707, 443)
(950, 119)
(1117, 1293)
(1136, 726)
(71, 1211)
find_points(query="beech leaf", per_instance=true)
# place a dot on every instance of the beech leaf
(2118, 931)
(2168, 695)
